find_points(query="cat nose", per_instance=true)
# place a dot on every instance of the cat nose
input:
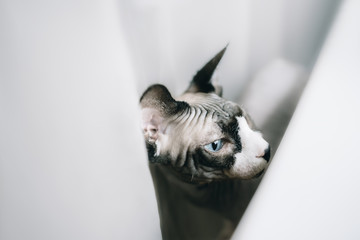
(266, 154)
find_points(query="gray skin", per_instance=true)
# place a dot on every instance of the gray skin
(201, 194)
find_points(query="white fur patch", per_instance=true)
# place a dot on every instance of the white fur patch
(158, 147)
(249, 161)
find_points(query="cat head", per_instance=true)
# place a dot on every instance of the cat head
(200, 135)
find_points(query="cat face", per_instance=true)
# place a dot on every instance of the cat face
(200, 135)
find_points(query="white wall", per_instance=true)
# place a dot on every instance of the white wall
(171, 40)
(72, 158)
(311, 189)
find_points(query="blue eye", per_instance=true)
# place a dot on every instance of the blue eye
(214, 146)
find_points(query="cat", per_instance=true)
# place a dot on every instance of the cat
(201, 149)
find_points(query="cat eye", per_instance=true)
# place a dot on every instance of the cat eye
(214, 146)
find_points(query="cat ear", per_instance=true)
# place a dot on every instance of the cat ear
(157, 105)
(201, 81)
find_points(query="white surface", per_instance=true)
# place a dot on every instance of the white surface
(72, 158)
(270, 87)
(171, 40)
(311, 189)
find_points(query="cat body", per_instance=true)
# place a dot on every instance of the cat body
(199, 211)
(203, 153)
